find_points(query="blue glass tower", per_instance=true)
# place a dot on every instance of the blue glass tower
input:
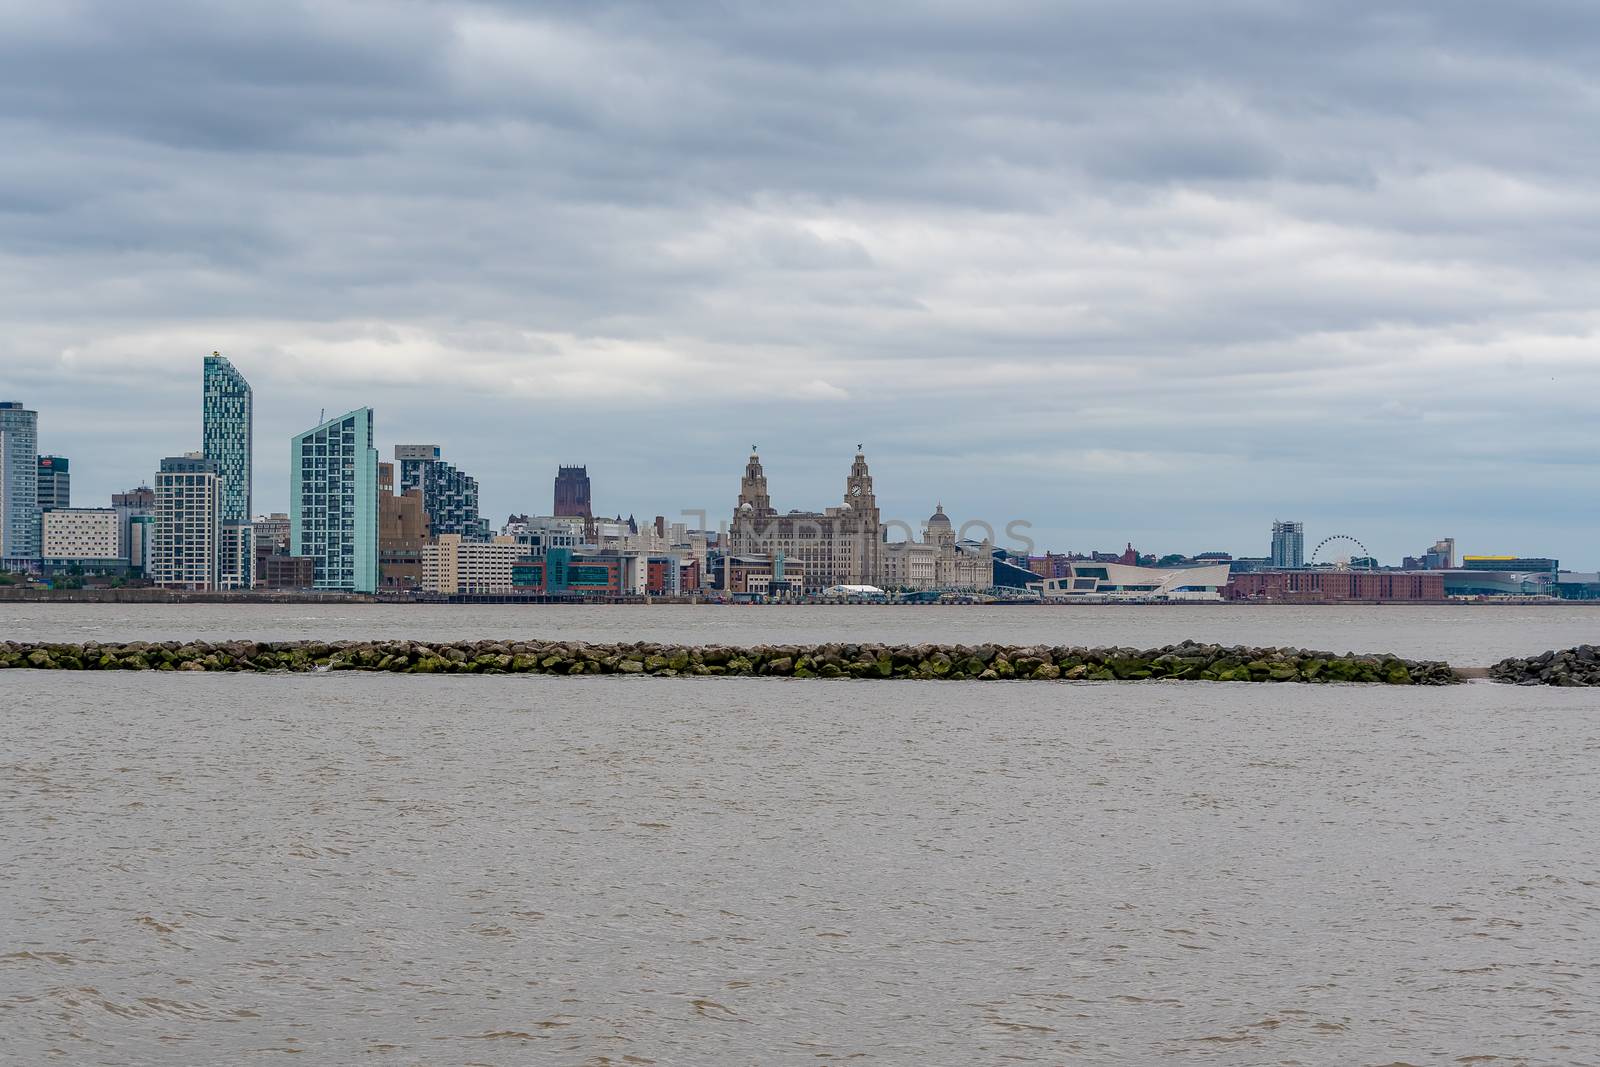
(333, 502)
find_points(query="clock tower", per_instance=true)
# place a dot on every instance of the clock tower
(863, 526)
(858, 487)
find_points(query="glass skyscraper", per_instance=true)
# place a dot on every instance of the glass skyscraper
(1288, 544)
(225, 437)
(19, 482)
(333, 502)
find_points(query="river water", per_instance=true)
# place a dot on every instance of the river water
(1465, 635)
(382, 869)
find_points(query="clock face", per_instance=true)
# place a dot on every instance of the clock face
(855, 490)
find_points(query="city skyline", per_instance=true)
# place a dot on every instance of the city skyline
(1015, 529)
(1096, 267)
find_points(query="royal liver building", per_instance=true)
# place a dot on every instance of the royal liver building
(838, 546)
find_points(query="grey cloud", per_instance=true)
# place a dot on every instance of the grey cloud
(1074, 262)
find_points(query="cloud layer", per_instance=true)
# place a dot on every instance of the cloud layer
(1157, 272)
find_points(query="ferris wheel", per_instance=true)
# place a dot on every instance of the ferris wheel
(1338, 552)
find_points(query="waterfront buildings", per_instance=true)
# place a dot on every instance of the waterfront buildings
(19, 483)
(54, 482)
(1288, 544)
(402, 533)
(572, 493)
(1091, 581)
(188, 527)
(452, 565)
(561, 572)
(763, 577)
(279, 570)
(88, 539)
(1337, 585)
(938, 561)
(1530, 564)
(838, 546)
(333, 502)
(449, 496)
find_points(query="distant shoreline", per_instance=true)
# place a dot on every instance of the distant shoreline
(14, 595)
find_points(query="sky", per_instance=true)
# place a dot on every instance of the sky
(1137, 271)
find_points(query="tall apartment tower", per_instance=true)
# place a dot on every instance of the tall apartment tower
(55, 482)
(1288, 544)
(188, 525)
(227, 440)
(449, 496)
(19, 482)
(572, 493)
(333, 502)
(226, 434)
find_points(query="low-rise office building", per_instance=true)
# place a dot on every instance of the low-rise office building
(80, 533)
(1092, 581)
(561, 572)
(85, 540)
(451, 564)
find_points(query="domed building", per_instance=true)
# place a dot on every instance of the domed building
(939, 560)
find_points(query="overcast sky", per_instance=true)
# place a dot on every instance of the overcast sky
(1148, 271)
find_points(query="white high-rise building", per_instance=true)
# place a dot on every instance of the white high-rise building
(188, 524)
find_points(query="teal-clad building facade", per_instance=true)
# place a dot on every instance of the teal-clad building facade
(226, 434)
(333, 502)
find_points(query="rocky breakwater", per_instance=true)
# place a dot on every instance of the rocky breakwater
(1567, 667)
(1189, 661)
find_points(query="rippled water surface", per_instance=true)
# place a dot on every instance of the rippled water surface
(517, 870)
(1466, 635)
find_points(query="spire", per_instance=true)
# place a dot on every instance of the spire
(753, 497)
(858, 486)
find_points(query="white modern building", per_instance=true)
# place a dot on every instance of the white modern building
(188, 524)
(84, 536)
(1091, 582)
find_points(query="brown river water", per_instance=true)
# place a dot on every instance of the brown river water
(343, 868)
